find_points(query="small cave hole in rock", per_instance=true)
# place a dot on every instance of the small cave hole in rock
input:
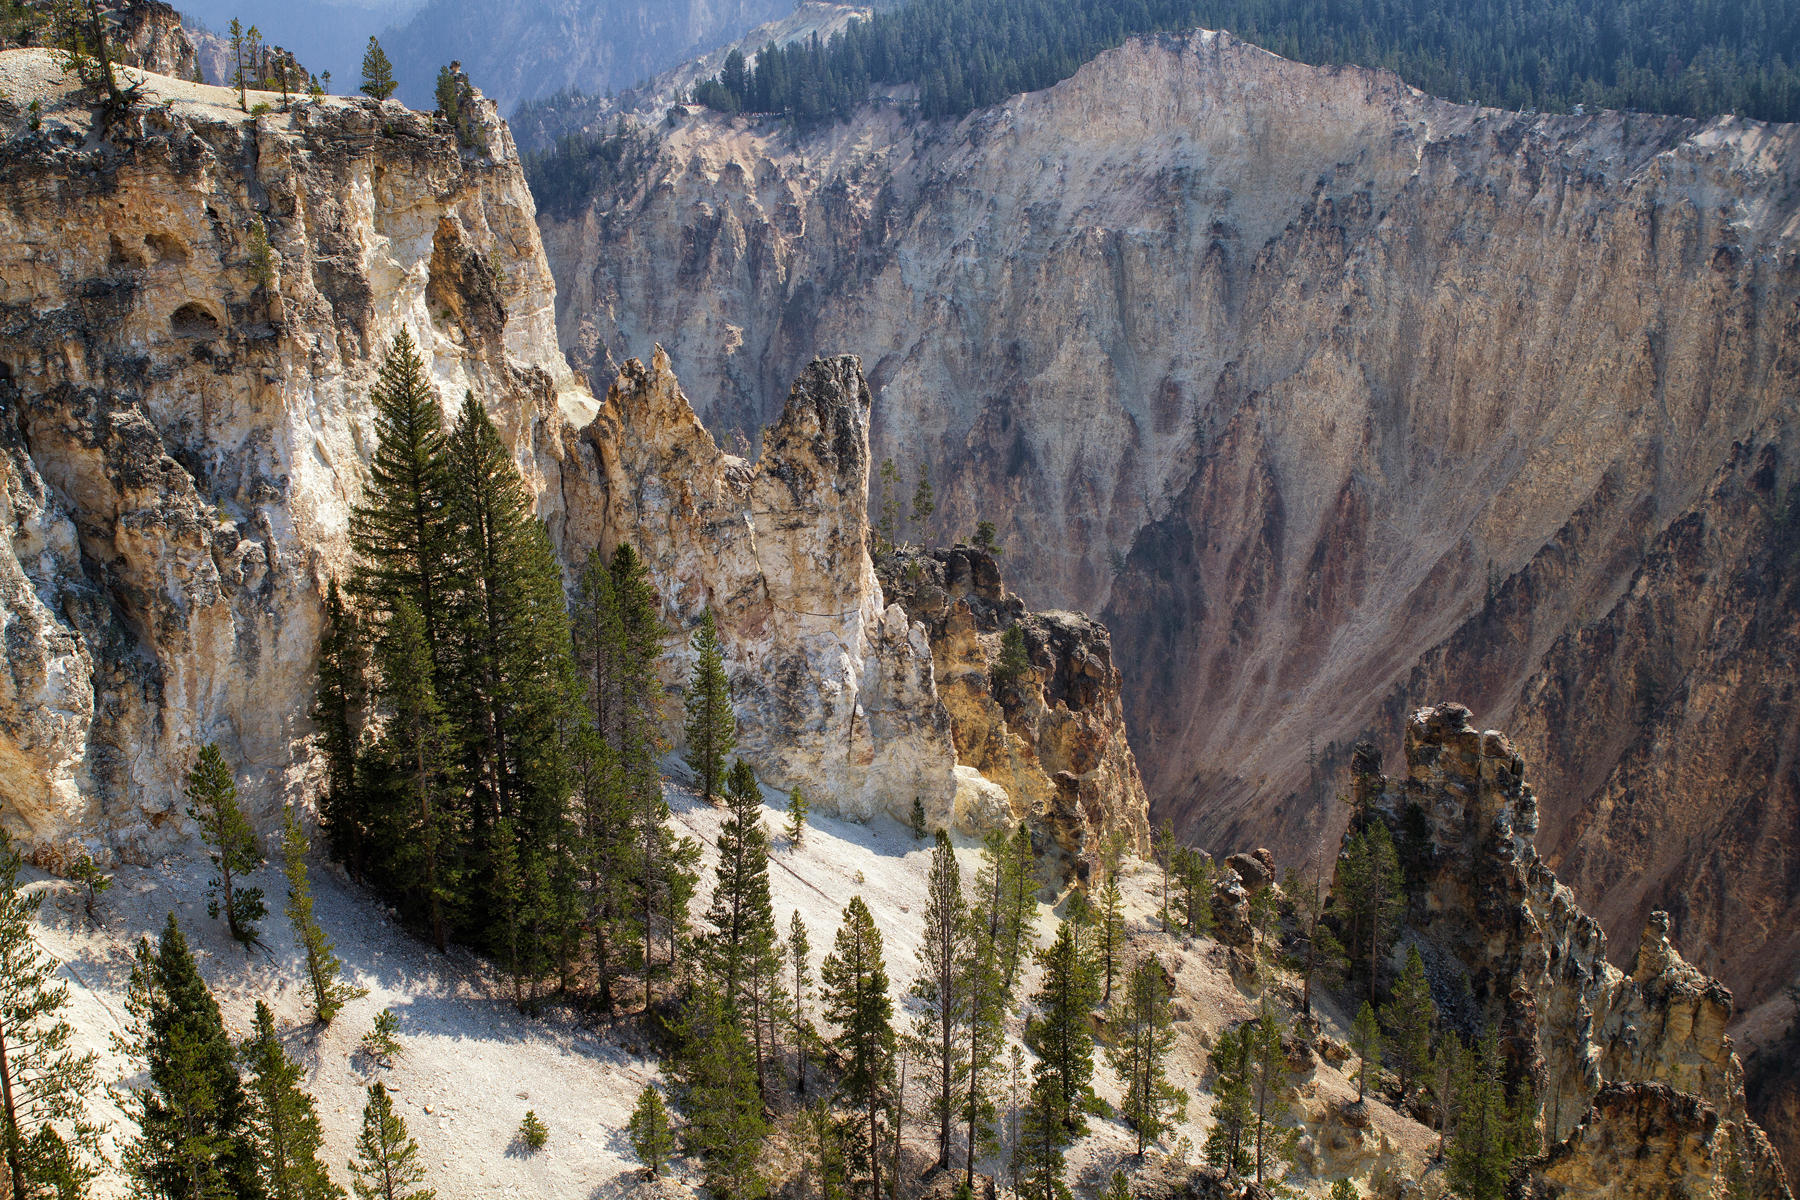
(193, 321)
(166, 247)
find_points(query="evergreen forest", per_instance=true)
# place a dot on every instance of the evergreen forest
(1694, 58)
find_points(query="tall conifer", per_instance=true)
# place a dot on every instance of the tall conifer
(857, 1002)
(711, 727)
(45, 1134)
(284, 1124)
(193, 1118)
(323, 970)
(402, 530)
(337, 715)
(1145, 1036)
(387, 1166)
(942, 988)
(1060, 1033)
(412, 767)
(212, 799)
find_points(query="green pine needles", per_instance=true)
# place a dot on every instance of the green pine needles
(50, 1144)
(323, 970)
(284, 1131)
(711, 729)
(194, 1119)
(212, 803)
(387, 1166)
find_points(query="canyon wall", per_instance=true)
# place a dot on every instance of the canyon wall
(1332, 399)
(193, 305)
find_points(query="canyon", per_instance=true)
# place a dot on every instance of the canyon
(195, 302)
(1332, 399)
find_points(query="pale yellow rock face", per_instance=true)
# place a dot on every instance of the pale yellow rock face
(185, 429)
(833, 689)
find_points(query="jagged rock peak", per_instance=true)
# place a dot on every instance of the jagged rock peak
(1048, 746)
(1595, 1043)
(833, 689)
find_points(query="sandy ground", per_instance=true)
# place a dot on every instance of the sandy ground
(37, 74)
(473, 1065)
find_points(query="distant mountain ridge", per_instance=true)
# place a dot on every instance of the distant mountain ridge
(517, 50)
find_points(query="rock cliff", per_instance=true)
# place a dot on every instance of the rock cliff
(1329, 398)
(1640, 1089)
(146, 34)
(192, 307)
(832, 686)
(1053, 740)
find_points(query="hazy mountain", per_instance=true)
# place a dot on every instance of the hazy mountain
(520, 51)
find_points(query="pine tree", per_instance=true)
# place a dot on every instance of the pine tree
(212, 800)
(985, 1037)
(725, 1125)
(387, 1166)
(1266, 1068)
(377, 72)
(711, 727)
(448, 96)
(1013, 666)
(1038, 1160)
(1320, 956)
(94, 883)
(239, 78)
(1194, 875)
(411, 765)
(284, 1125)
(796, 822)
(857, 1002)
(741, 913)
(45, 1134)
(1227, 1142)
(1370, 891)
(1145, 1036)
(888, 522)
(1060, 1033)
(1492, 1131)
(822, 1139)
(1014, 896)
(510, 689)
(917, 820)
(1110, 934)
(1407, 1018)
(1117, 1188)
(1365, 1040)
(942, 988)
(402, 532)
(337, 715)
(799, 948)
(323, 970)
(924, 500)
(193, 1118)
(652, 1138)
(617, 636)
(1167, 852)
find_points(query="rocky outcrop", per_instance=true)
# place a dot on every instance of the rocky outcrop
(145, 33)
(1329, 399)
(192, 308)
(832, 686)
(1611, 1055)
(1052, 740)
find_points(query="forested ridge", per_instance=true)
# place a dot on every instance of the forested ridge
(1689, 57)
